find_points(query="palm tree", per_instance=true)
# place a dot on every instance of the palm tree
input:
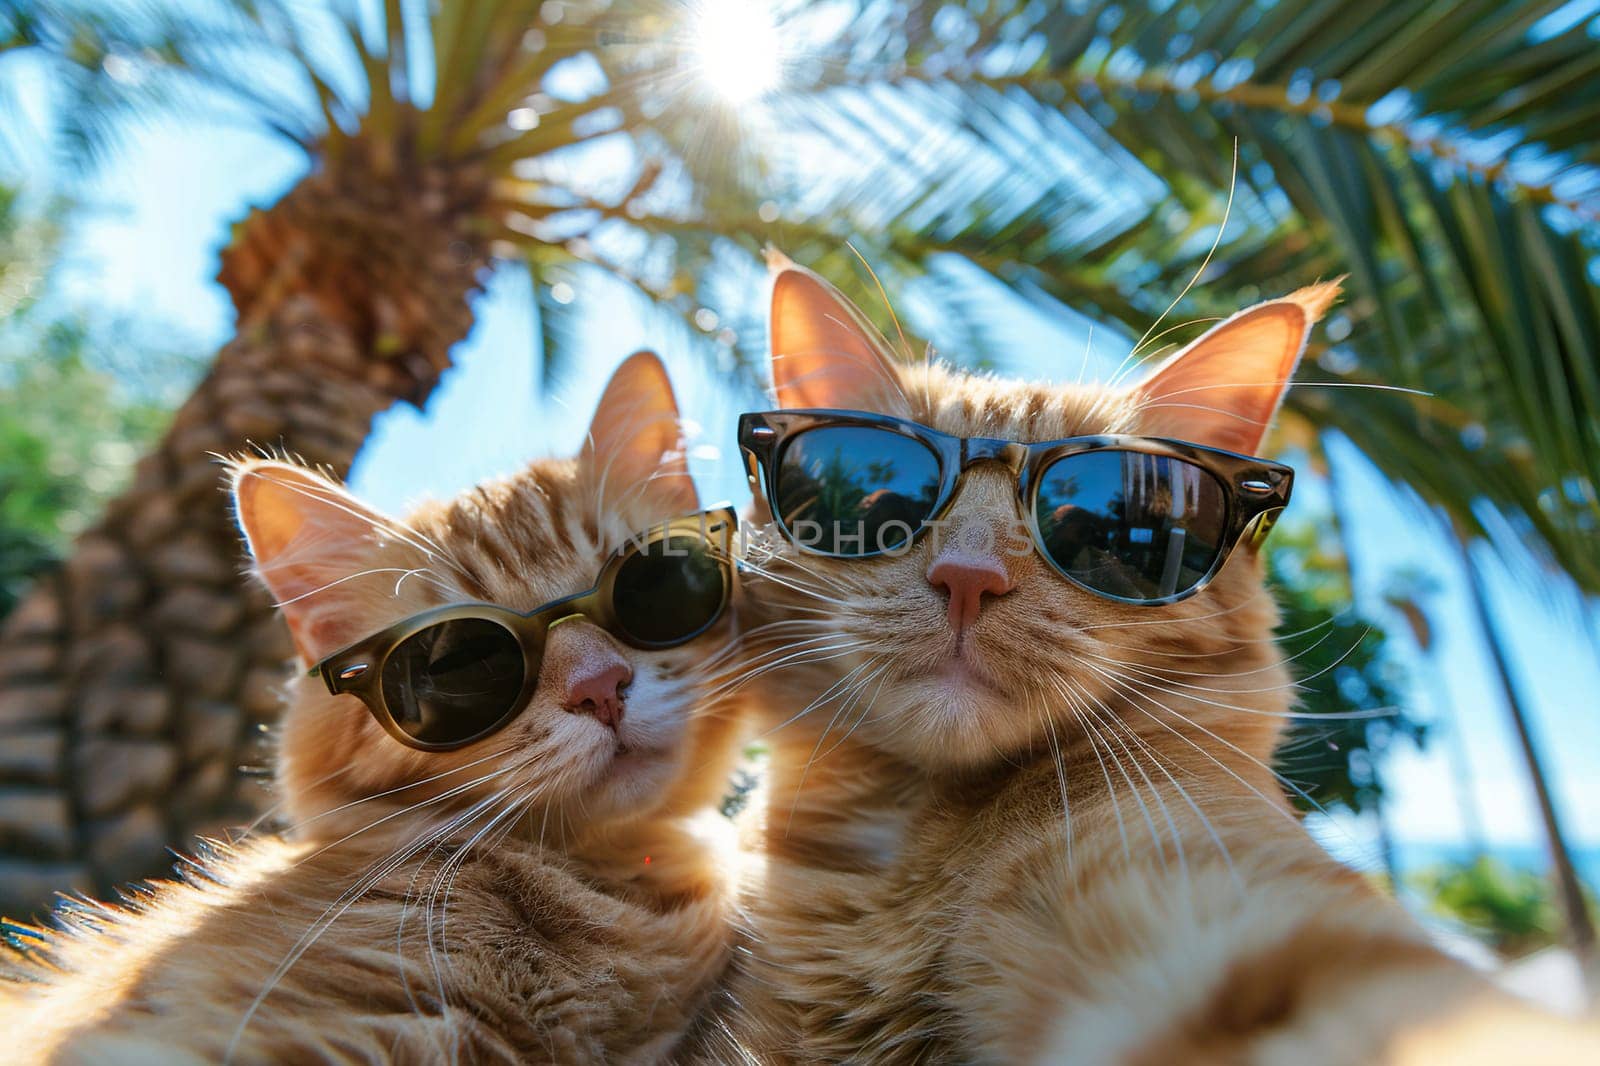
(1083, 154)
(133, 683)
(1564, 875)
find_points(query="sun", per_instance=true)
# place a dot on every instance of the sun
(737, 49)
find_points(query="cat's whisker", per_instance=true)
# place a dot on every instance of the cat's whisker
(1088, 730)
(1162, 403)
(1169, 676)
(1243, 604)
(397, 529)
(760, 648)
(850, 692)
(1186, 691)
(400, 927)
(1175, 327)
(1205, 821)
(332, 914)
(856, 696)
(806, 608)
(439, 841)
(1109, 721)
(732, 683)
(516, 807)
(793, 585)
(1113, 392)
(1227, 212)
(867, 704)
(791, 557)
(883, 295)
(387, 793)
(449, 793)
(833, 690)
(739, 647)
(824, 371)
(1237, 644)
(261, 819)
(806, 658)
(445, 878)
(1103, 731)
(1284, 383)
(1054, 743)
(402, 571)
(1136, 694)
(1157, 760)
(1088, 350)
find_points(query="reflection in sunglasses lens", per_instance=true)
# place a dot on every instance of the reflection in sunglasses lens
(1135, 526)
(669, 591)
(454, 680)
(855, 490)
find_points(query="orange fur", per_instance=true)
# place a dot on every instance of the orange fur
(538, 895)
(1062, 842)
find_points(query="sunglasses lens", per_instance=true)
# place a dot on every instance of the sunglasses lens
(452, 682)
(1134, 526)
(669, 591)
(855, 490)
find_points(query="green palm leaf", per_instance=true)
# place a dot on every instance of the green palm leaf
(1435, 153)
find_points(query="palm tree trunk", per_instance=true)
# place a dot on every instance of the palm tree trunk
(134, 683)
(1569, 890)
(1460, 764)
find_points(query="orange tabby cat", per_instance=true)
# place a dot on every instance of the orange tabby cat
(538, 895)
(1010, 820)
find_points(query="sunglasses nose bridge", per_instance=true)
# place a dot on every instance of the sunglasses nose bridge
(990, 450)
(563, 619)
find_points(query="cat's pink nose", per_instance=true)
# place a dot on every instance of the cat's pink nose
(595, 687)
(967, 580)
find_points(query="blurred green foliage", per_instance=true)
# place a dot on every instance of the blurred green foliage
(1352, 692)
(1511, 909)
(73, 416)
(69, 434)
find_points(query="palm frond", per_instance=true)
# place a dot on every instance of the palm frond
(1407, 145)
(1437, 153)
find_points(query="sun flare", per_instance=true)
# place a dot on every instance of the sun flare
(737, 48)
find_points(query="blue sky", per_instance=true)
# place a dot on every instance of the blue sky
(159, 210)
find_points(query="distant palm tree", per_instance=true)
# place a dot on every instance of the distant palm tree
(1080, 153)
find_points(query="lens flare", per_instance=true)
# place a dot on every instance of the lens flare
(737, 48)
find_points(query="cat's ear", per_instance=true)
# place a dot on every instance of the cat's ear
(330, 562)
(1224, 389)
(635, 446)
(824, 351)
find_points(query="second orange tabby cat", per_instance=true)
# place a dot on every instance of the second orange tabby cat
(1043, 827)
(537, 895)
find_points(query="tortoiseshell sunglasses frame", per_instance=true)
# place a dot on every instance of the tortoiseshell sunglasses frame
(357, 670)
(1256, 490)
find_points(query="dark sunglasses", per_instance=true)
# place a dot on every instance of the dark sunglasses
(1134, 519)
(453, 675)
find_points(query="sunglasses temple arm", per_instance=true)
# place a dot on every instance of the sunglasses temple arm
(1262, 526)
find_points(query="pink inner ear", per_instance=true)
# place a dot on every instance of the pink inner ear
(824, 352)
(1224, 389)
(310, 539)
(634, 449)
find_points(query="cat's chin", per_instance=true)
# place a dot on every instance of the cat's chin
(630, 779)
(952, 718)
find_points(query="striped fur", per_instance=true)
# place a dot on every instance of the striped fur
(531, 897)
(1068, 847)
